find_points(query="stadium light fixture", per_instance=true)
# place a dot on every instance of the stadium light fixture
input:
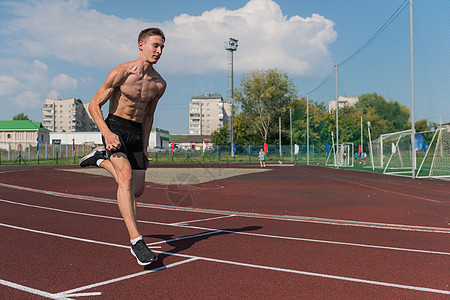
(231, 47)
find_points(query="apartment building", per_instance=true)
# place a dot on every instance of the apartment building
(343, 102)
(207, 113)
(69, 115)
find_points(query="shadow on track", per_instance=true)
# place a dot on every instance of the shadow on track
(183, 243)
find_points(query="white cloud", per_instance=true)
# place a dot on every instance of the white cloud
(23, 75)
(71, 31)
(53, 94)
(64, 82)
(28, 99)
(23, 82)
(39, 35)
(267, 39)
(8, 85)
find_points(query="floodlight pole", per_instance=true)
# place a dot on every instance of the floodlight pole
(307, 129)
(362, 138)
(290, 128)
(232, 46)
(413, 129)
(337, 118)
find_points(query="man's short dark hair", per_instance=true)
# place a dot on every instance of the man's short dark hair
(143, 36)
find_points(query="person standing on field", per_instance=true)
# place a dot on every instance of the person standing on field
(262, 158)
(133, 90)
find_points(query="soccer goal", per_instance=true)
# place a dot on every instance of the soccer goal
(436, 162)
(341, 155)
(392, 152)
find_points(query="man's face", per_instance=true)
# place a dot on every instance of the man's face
(152, 48)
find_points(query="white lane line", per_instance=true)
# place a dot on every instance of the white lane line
(27, 289)
(385, 190)
(151, 245)
(324, 241)
(299, 272)
(77, 295)
(202, 220)
(64, 236)
(335, 222)
(214, 230)
(69, 293)
(343, 278)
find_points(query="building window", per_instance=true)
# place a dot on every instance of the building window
(9, 136)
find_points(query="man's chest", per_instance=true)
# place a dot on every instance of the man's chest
(142, 89)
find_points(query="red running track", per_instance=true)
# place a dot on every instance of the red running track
(287, 233)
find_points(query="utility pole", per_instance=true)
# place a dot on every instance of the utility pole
(231, 46)
(413, 129)
(307, 129)
(337, 118)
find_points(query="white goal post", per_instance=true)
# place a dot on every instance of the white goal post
(342, 155)
(392, 152)
(436, 162)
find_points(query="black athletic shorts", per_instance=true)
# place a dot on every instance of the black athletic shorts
(130, 136)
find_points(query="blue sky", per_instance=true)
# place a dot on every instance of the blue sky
(65, 49)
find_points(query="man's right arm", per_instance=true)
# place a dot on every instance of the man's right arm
(104, 93)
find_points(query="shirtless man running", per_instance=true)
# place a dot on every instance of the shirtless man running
(133, 90)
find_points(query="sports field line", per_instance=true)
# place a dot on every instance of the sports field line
(75, 292)
(202, 220)
(126, 277)
(336, 222)
(255, 266)
(215, 230)
(28, 289)
(350, 182)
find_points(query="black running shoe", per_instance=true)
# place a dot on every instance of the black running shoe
(91, 158)
(143, 254)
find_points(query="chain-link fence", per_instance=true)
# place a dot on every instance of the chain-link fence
(45, 154)
(285, 154)
(68, 154)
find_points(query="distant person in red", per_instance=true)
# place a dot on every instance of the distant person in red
(133, 90)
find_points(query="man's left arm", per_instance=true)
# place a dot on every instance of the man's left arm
(148, 122)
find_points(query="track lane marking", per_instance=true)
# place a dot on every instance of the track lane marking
(270, 268)
(214, 230)
(383, 190)
(202, 220)
(28, 289)
(69, 293)
(245, 214)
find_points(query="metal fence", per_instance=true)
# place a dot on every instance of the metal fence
(68, 154)
(249, 153)
(46, 152)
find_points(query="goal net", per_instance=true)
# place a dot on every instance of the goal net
(392, 152)
(436, 161)
(342, 155)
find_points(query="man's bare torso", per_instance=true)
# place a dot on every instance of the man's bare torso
(135, 90)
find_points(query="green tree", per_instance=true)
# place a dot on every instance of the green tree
(20, 116)
(263, 96)
(321, 123)
(395, 114)
(220, 136)
(244, 131)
